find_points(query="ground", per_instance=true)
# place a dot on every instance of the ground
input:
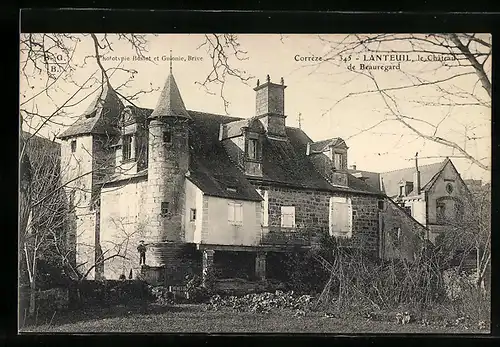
(195, 318)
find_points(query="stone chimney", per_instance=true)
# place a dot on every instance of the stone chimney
(416, 176)
(353, 167)
(270, 107)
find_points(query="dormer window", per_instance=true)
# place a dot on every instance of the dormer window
(128, 116)
(405, 188)
(338, 161)
(401, 190)
(127, 147)
(252, 148)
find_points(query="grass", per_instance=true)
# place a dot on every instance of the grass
(195, 319)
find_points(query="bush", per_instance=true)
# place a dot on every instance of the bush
(108, 292)
(303, 273)
(358, 284)
(196, 292)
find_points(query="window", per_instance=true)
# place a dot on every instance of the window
(252, 149)
(440, 211)
(192, 215)
(164, 208)
(231, 189)
(341, 215)
(288, 216)
(337, 160)
(167, 136)
(401, 190)
(407, 209)
(396, 235)
(73, 146)
(381, 204)
(235, 213)
(127, 147)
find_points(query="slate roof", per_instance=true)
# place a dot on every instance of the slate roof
(170, 103)
(370, 178)
(321, 146)
(428, 173)
(284, 162)
(100, 117)
(391, 179)
(210, 169)
(233, 129)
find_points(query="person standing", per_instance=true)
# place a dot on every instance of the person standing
(142, 252)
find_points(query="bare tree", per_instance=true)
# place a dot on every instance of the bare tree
(446, 61)
(51, 89)
(45, 221)
(469, 237)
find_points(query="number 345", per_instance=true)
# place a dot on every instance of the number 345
(345, 58)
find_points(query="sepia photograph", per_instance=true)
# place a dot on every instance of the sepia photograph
(255, 183)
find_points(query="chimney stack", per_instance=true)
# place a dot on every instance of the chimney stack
(416, 176)
(270, 106)
(353, 167)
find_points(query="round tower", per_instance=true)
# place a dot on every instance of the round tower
(168, 162)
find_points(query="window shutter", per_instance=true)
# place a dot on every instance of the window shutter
(230, 212)
(288, 216)
(265, 207)
(340, 216)
(238, 213)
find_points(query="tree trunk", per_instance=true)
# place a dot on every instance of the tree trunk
(478, 266)
(32, 309)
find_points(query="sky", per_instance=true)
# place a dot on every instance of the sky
(317, 91)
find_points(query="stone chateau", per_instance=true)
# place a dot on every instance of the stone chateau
(207, 191)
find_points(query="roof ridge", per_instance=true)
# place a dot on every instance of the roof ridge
(410, 167)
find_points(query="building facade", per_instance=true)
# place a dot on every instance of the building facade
(434, 195)
(204, 191)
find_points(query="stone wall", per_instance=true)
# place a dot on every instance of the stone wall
(123, 219)
(365, 226)
(311, 207)
(402, 236)
(167, 165)
(312, 213)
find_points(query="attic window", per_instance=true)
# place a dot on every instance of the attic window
(338, 161)
(252, 149)
(73, 146)
(401, 190)
(408, 209)
(127, 147)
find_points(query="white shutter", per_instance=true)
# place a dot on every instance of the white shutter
(238, 215)
(340, 217)
(265, 207)
(288, 216)
(230, 211)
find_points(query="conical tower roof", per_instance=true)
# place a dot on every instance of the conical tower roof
(106, 98)
(170, 103)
